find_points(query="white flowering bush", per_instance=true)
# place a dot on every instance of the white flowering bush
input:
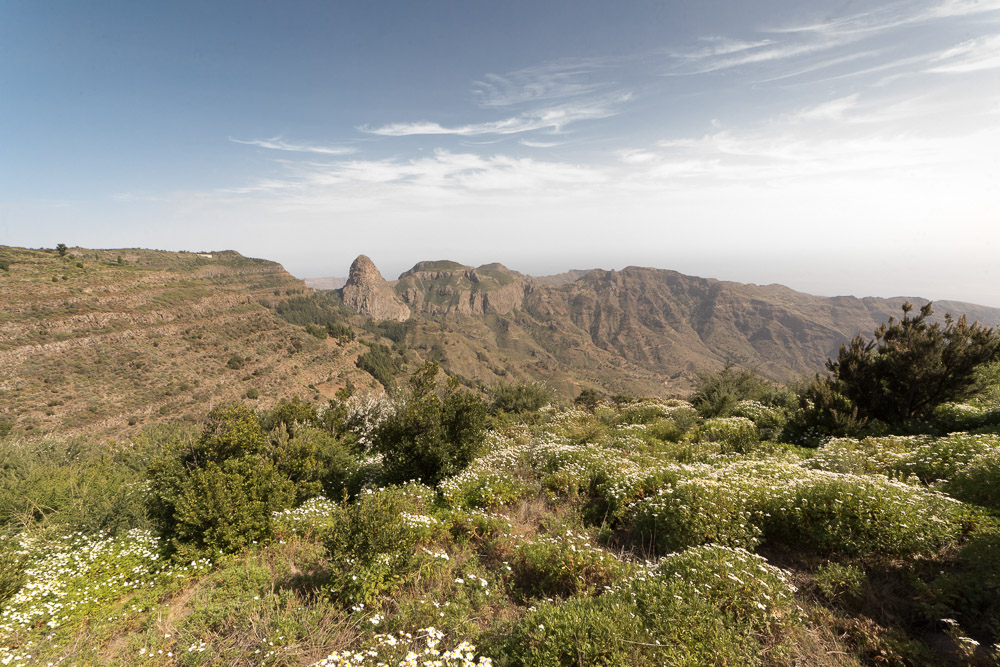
(736, 435)
(561, 566)
(978, 481)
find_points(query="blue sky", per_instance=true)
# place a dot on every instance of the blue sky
(835, 147)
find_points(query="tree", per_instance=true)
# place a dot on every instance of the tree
(220, 492)
(431, 436)
(61, 249)
(718, 393)
(911, 366)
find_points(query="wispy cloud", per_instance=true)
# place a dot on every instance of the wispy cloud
(541, 144)
(969, 56)
(636, 156)
(794, 42)
(551, 118)
(445, 175)
(276, 143)
(562, 79)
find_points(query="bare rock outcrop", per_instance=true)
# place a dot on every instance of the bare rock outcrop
(366, 292)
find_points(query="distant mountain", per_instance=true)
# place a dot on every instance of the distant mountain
(557, 279)
(325, 283)
(638, 330)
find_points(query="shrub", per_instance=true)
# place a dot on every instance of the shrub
(316, 331)
(706, 606)
(291, 413)
(4, 265)
(691, 513)
(429, 437)
(219, 493)
(912, 366)
(970, 592)
(718, 393)
(5, 427)
(979, 481)
(229, 506)
(235, 362)
(768, 419)
(519, 397)
(838, 581)
(736, 435)
(563, 566)
(12, 565)
(341, 332)
(61, 249)
(370, 545)
(829, 514)
(253, 394)
(588, 398)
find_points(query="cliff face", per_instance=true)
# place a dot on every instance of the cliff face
(638, 330)
(367, 293)
(439, 288)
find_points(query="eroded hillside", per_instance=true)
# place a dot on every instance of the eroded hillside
(639, 331)
(110, 340)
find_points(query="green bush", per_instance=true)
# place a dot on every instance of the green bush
(370, 545)
(228, 506)
(235, 362)
(707, 606)
(429, 437)
(341, 332)
(253, 393)
(830, 514)
(220, 492)
(562, 566)
(292, 413)
(316, 331)
(12, 565)
(837, 581)
(75, 483)
(735, 435)
(520, 397)
(970, 592)
(717, 394)
(588, 398)
(979, 481)
(691, 513)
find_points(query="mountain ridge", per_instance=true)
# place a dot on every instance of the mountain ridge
(637, 321)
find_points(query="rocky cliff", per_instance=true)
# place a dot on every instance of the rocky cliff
(439, 288)
(366, 292)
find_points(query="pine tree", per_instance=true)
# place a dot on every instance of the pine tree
(912, 365)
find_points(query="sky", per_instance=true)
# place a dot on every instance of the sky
(837, 147)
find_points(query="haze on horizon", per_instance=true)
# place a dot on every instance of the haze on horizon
(834, 147)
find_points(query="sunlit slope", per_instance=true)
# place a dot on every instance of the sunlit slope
(108, 340)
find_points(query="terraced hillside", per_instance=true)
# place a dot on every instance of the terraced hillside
(106, 341)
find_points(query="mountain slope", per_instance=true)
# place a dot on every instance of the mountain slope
(638, 330)
(92, 343)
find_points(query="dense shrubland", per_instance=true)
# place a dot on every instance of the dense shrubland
(433, 526)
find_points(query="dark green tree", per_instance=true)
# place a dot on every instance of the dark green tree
(61, 249)
(910, 367)
(219, 493)
(432, 434)
(588, 398)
